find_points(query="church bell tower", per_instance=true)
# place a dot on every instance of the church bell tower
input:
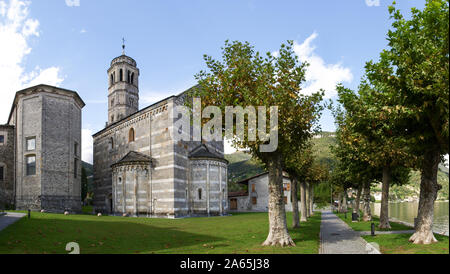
(123, 91)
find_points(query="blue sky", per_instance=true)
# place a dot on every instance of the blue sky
(70, 43)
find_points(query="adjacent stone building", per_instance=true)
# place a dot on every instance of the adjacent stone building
(40, 151)
(139, 170)
(257, 197)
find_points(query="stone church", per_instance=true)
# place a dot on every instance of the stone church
(139, 170)
(40, 151)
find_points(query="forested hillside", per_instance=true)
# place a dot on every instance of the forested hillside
(243, 166)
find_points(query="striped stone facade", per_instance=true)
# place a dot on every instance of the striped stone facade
(165, 187)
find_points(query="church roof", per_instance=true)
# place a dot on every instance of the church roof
(45, 88)
(202, 151)
(154, 105)
(134, 157)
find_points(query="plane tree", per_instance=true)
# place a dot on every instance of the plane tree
(245, 78)
(413, 75)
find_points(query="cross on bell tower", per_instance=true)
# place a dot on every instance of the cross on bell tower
(123, 46)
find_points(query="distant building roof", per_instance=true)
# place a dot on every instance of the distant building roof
(237, 194)
(245, 181)
(134, 157)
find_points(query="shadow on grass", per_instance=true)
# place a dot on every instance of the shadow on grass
(50, 234)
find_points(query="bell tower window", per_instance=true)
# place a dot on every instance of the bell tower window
(121, 75)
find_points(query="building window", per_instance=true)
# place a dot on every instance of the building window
(254, 200)
(112, 80)
(129, 77)
(112, 102)
(287, 187)
(121, 75)
(285, 200)
(75, 168)
(111, 143)
(2, 139)
(2, 173)
(253, 187)
(112, 118)
(199, 193)
(31, 165)
(75, 148)
(31, 143)
(132, 78)
(131, 135)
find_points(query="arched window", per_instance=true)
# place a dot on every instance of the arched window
(121, 75)
(112, 102)
(112, 80)
(111, 143)
(131, 135)
(132, 78)
(129, 77)
(199, 193)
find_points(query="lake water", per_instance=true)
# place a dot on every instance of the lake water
(407, 211)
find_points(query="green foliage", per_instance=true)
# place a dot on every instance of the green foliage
(241, 166)
(84, 184)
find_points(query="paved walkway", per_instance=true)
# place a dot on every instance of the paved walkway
(9, 219)
(336, 237)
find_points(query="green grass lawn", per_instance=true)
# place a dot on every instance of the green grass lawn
(241, 233)
(366, 226)
(399, 244)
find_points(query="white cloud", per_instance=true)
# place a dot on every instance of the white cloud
(73, 3)
(151, 97)
(87, 145)
(320, 75)
(83, 31)
(373, 3)
(16, 29)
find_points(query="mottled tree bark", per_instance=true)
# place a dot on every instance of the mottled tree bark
(294, 199)
(311, 199)
(340, 202)
(303, 215)
(278, 233)
(428, 194)
(344, 201)
(357, 200)
(367, 214)
(384, 211)
(308, 195)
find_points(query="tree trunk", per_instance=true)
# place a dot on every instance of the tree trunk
(311, 199)
(357, 200)
(344, 201)
(294, 199)
(428, 194)
(340, 202)
(278, 232)
(308, 195)
(384, 212)
(303, 213)
(367, 215)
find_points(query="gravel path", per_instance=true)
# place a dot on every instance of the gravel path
(9, 219)
(336, 237)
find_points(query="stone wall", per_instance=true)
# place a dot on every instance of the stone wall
(53, 117)
(112, 144)
(7, 163)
